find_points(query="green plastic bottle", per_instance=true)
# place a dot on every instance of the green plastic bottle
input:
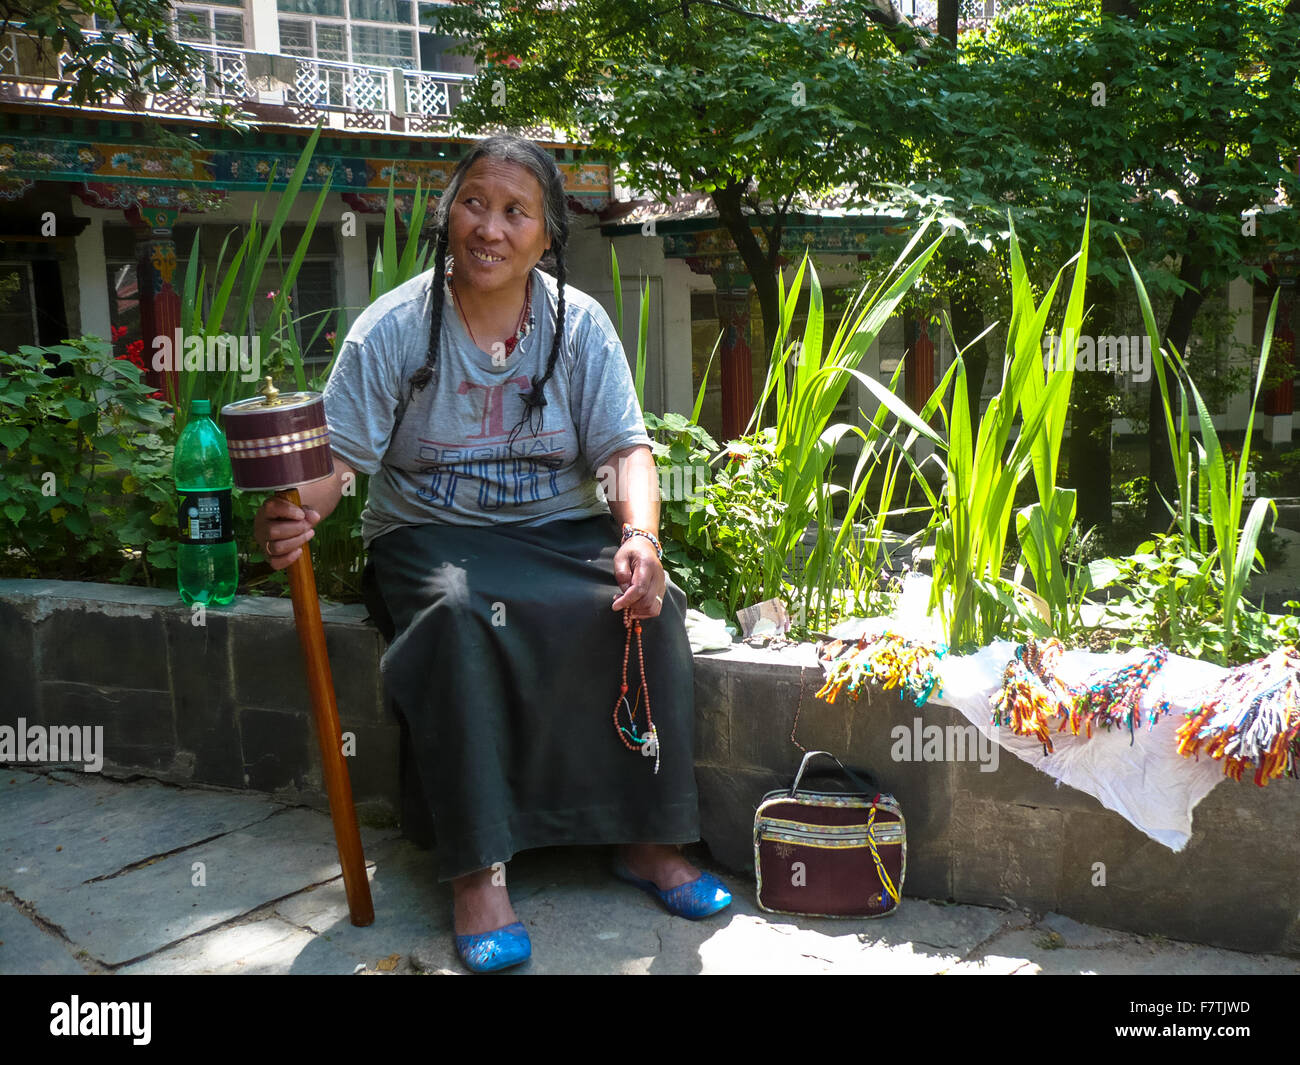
(208, 570)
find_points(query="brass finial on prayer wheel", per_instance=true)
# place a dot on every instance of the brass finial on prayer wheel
(270, 392)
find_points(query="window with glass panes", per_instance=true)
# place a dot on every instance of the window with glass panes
(379, 33)
(217, 23)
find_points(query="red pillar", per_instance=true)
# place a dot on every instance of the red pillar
(737, 362)
(918, 370)
(160, 303)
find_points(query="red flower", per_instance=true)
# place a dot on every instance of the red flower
(135, 356)
(119, 331)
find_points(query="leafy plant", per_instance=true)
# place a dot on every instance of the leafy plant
(807, 378)
(1135, 491)
(1211, 489)
(391, 267)
(1166, 593)
(684, 452)
(984, 466)
(231, 296)
(1168, 596)
(87, 486)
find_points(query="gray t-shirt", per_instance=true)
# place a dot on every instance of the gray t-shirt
(443, 456)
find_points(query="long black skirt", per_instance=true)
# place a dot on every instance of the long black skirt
(505, 663)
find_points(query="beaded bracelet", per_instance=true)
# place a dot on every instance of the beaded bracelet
(890, 661)
(1115, 699)
(629, 532)
(1033, 694)
(1250, 719)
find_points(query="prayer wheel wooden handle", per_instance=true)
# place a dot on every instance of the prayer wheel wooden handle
(320, 681)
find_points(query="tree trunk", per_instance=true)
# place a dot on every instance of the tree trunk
(760, 263)
(948, 11)
(1090, 426)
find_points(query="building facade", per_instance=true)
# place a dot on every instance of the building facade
(99, 214)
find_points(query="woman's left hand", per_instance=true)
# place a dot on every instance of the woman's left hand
(641, 576)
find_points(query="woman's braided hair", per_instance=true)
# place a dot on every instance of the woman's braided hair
(542, 166)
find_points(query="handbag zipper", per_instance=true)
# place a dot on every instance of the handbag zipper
(885, 801)
(834, 836)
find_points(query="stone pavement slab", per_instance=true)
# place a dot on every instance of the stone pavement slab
(63, 829)
(310, 933)
(241, 870)
(1034, 951)
(26, 948)
(273, 901)
(261, 947)
(1074, 934)
(582, 920)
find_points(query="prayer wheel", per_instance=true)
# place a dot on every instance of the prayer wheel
(278, 441)
(277, 444)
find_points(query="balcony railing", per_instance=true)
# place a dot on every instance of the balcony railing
(972, 14)
(345, 95)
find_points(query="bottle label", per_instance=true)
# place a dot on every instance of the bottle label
(206, 518)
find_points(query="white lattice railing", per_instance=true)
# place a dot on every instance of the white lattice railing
(432, 95)
(228, 75)
(358, 94)
(971, 13)
(327, 83)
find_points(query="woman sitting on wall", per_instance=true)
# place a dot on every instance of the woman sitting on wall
(497, 560)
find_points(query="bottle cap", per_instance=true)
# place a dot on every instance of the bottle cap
(200, 406)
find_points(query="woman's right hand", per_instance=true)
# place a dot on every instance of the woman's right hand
(281, 529)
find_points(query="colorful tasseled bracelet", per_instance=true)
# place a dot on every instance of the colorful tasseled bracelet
(629, 532)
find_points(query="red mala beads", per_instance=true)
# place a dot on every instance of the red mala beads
(647, 742)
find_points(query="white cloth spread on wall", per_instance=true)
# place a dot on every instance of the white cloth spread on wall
(706, 633)
(1143, 778)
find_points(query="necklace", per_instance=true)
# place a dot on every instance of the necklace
(648, 742)
(525, 315)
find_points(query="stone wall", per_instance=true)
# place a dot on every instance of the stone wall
(171, 700)
(1012, 837)
(226, 704)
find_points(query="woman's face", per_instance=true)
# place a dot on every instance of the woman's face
(497, 229)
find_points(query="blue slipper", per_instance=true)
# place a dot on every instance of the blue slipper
(702, 897)
(489, 952)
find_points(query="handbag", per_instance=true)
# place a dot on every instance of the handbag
(827, 850)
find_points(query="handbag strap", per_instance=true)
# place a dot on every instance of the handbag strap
(856, 780)
(875, 856)
(862, 785)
